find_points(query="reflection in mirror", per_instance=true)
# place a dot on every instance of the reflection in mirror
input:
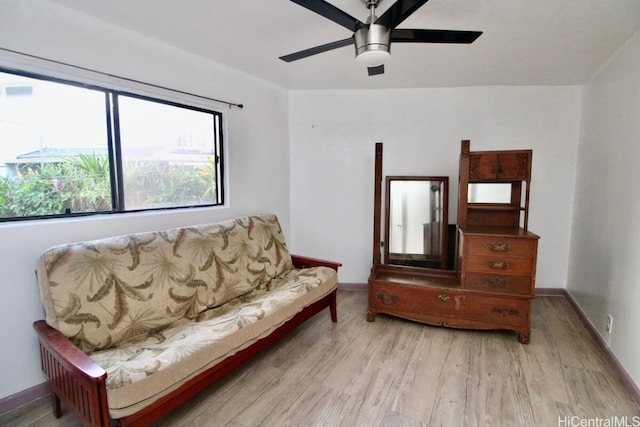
(489, 192)
(416, 221)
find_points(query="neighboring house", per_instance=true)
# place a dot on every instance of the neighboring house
(48, 155)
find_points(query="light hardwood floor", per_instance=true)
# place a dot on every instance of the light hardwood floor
(398, 373)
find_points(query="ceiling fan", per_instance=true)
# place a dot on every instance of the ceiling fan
(373, 39)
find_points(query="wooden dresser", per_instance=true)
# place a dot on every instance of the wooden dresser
(500, 263)
(493, 283)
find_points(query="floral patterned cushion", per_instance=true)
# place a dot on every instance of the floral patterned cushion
(111, 292)
(143, 372)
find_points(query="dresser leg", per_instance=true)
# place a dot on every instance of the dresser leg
(523, 337)
(371, 316)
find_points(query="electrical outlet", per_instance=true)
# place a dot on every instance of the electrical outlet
(609, 325)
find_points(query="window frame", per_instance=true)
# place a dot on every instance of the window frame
(113, 145)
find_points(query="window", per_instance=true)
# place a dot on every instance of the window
(69, 149)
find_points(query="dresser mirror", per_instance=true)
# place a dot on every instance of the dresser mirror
(489, 193)
(416, 221)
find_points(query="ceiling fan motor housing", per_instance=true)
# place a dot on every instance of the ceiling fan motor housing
(372, 43)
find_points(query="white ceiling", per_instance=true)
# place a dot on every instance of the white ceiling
(525, 42)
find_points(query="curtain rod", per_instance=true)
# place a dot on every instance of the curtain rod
(230, 104)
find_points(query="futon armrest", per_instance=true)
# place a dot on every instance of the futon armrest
(306, 262)
(75, 380)
(68, 354)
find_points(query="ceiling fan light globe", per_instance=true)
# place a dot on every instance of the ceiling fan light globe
(373, 58)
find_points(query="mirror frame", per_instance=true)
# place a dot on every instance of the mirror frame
(445, 215)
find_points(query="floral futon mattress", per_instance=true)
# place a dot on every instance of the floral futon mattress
(155, 309)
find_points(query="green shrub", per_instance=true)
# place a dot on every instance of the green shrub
(82, 184)
(52, 189)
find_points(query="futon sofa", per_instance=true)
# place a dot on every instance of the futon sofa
(135, 325)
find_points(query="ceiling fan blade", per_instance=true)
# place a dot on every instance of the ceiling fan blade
(402, 35)
(374, 71)
(315, 50)
(399, 11)
(331, 12)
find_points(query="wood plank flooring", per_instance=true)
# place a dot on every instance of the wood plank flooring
(398, 373)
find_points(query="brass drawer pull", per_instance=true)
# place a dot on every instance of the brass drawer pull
(495, 264)
(444, 297)
(497, 282)
(387, 299)
(499, 247)
(505, 311)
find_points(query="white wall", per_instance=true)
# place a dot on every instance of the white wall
(604, 267)
(257, 147)
(333, 134)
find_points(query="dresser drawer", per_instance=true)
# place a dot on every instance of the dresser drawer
(500, 245)
(520, 285)
(498, 264)
(416, 302)
(414, 299)
(502, 311)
